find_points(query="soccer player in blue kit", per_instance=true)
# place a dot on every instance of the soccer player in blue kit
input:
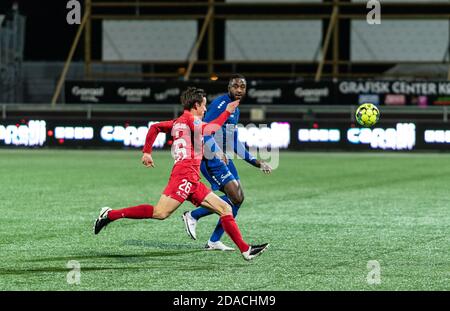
(220, 170)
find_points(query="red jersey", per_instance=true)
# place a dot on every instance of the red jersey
(187, 133)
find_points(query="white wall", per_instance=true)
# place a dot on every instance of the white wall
(272, 40)
(148, 40)
(392, 40)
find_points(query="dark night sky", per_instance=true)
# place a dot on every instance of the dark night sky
(48, 36)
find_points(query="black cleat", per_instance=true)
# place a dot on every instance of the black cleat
(255, 251)
(102, 220)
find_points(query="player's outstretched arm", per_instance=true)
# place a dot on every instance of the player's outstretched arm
(214, 125)
(155, 129)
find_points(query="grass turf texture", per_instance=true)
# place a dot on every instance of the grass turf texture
(325, 214)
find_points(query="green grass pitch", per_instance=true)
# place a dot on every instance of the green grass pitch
(325, 214)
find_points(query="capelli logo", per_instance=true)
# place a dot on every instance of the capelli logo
(74, 15)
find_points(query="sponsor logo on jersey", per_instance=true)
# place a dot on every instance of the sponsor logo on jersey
(223, 177)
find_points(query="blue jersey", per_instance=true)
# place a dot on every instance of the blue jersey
(227, 137)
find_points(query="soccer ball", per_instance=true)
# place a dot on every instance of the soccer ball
(367, 114)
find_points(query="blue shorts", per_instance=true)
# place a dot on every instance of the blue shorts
(218, 173)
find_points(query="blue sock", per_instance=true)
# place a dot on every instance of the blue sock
(200, 212)
(218, 231)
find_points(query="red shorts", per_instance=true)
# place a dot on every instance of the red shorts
(184, 187)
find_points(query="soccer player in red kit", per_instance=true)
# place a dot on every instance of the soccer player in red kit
(184, 183)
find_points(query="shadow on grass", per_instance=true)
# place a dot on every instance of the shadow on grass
(121, 257)
(121, 268)
(60, 269)
(167, 250)
(126, 260)
(169, 257)
(159, 260)
(162, 263)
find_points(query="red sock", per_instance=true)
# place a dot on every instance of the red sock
(232, 229)
(135, 212)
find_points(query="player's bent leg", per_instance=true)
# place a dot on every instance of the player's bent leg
(190, 222)
(237, 197)
(220, 207)
(234, 189)
(134, 212)
(200, 212)
(234, 192)
(162, 210)
(198, 198)
(217, 205)
(214, 245)
(218, 175)
(234, 196)
(165, 207)
(108, 215)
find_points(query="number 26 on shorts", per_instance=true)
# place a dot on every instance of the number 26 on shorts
(185, 186)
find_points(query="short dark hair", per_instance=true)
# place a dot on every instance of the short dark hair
(190, 96)
(235, 76)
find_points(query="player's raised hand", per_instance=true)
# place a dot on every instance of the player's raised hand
(147, 160)
(231, 107)
(263, 166)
